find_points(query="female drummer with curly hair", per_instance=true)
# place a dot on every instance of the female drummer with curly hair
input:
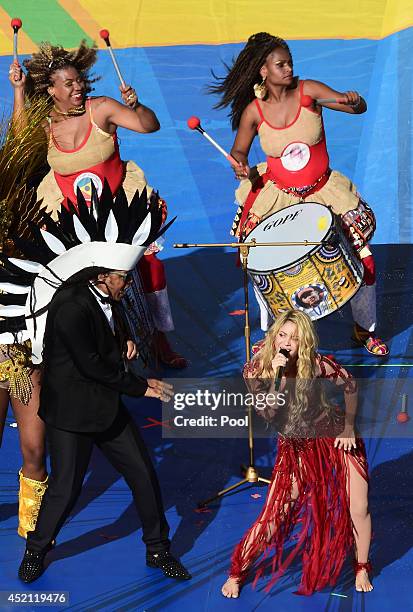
(319, 484)
(83, 152)
(266, 98)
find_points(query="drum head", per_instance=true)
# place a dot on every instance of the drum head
(305, 221)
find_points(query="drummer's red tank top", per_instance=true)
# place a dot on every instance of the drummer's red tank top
(96, 159)
(297, 154)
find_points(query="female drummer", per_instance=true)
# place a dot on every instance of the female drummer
(83, 150)
(267, 99)
(319, 486)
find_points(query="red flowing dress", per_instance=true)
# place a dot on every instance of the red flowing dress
(316, 525)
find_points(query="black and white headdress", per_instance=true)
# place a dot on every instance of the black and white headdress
(108, 234)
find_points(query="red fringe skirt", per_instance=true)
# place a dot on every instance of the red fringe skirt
(317, 523)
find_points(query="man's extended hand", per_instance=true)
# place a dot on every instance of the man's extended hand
(131, 350)
(159, 390)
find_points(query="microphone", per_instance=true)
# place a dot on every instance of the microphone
(280, 370)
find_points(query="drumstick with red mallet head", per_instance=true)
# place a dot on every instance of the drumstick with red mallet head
(105, 35)
(194, 123)
(308, 100)
(16, 24)
(403, 415)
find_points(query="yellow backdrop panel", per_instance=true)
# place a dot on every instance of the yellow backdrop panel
(176, 22)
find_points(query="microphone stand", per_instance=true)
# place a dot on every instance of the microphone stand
(251, 473)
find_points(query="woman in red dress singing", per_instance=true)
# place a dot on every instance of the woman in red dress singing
(317, 499)
(267, 100)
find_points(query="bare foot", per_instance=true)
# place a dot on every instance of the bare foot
(363, 584)
(231, 588)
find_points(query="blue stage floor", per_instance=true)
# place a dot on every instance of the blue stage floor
(99, 558)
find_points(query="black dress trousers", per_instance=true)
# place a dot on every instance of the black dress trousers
(70, 454)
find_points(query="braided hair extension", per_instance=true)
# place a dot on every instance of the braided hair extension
(236, 88)
(51, 58)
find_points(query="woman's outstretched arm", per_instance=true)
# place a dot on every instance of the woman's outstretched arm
(354, 103)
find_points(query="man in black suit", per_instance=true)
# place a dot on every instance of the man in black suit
(84, 376)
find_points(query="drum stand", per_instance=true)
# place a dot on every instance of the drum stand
(251, 473)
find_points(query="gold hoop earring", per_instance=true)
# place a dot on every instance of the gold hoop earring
(260, 89)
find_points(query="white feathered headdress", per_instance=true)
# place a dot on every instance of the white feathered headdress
(108, 234)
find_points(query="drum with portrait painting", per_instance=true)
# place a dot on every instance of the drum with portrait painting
(316, 279)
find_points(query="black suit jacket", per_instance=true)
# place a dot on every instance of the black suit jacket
(83, 367)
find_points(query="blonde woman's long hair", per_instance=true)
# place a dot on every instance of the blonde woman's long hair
(307, 345)
(301, 406)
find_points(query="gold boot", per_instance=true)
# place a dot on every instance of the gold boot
(30, 498)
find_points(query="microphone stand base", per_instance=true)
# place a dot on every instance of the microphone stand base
(251, 477)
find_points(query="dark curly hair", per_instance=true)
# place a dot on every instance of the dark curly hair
(50, 58)
(237, 87)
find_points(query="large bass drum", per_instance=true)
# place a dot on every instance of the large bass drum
(316, 279)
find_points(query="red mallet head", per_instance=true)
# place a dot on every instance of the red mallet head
(403, 417)
(16, 23)
(194, 123)
(105, 35)
(307, 100)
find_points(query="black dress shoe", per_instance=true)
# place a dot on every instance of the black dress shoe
(32, 566)
(171, 567)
